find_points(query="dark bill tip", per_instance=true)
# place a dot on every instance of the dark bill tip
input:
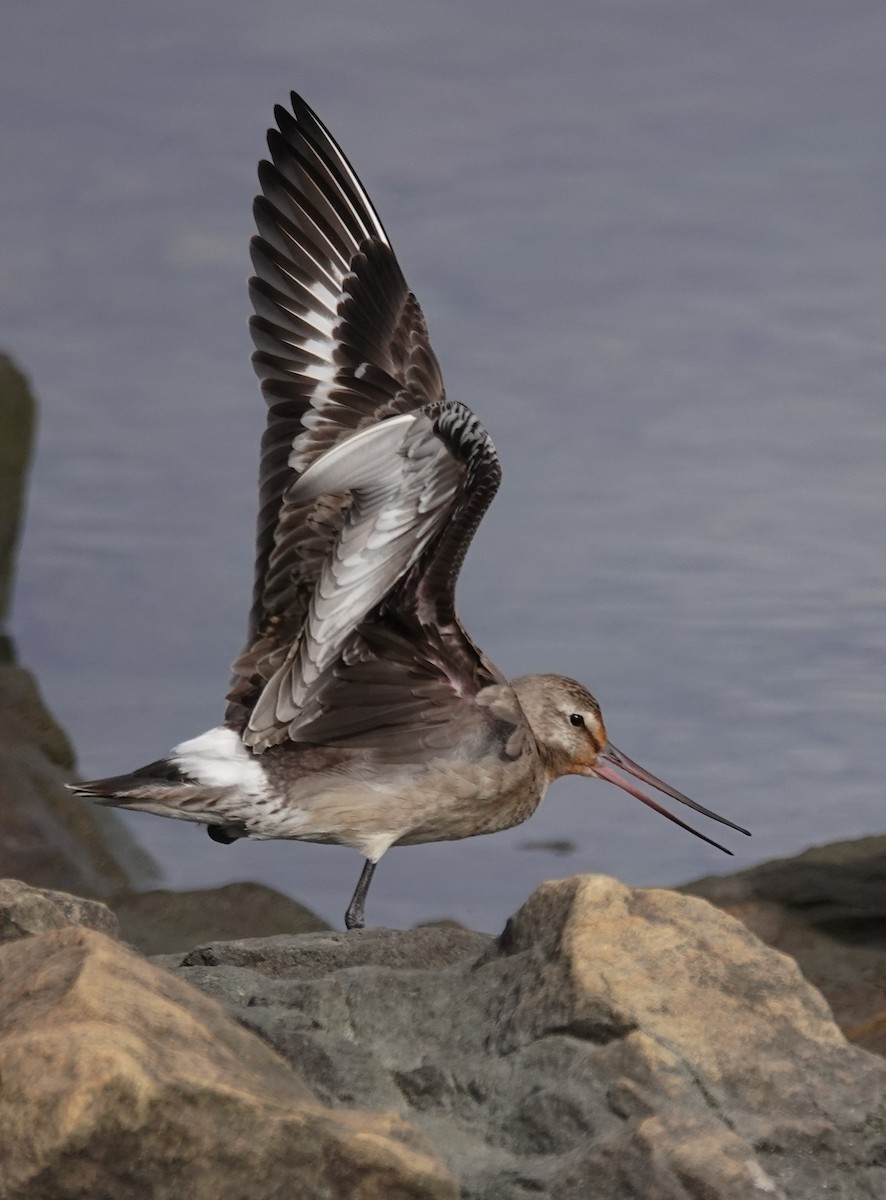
(618, 759)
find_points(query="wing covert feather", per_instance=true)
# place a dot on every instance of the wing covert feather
(376, 655)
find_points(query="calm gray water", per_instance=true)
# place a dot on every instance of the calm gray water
(650, 240)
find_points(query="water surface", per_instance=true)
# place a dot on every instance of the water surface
(651, 246)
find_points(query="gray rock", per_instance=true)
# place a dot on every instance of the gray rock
(840, 888)
(26, 911)
(319, 954)
(611, 1044)
(17, 418)
(47, 836)
(162, 922)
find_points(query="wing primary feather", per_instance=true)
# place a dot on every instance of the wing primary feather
(322, 142)
(341, 347)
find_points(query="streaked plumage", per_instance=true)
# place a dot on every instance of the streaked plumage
(360, 712)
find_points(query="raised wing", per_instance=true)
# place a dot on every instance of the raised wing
(341, 343)
(381, 650)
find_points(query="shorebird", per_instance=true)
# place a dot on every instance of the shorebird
(360, 712)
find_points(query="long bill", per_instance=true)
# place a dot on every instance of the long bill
(614, 756)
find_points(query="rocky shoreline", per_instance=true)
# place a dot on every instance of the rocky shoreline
(611, 1042)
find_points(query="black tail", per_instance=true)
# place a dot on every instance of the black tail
(119, 788)
(163, 789)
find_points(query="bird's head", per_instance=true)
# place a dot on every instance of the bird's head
(568, 727)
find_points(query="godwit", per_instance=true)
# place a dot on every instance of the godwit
(361, 713)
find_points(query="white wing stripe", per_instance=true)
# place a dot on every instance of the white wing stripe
(402, 478)
(351, 459)
(322, 368)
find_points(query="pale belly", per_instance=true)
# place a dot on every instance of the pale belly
(371, 811)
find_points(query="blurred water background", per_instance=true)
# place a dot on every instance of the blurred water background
(650, 241)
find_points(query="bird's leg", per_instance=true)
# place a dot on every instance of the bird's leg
(354, 915)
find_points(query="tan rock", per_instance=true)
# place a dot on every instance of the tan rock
(826, 908)
(120, 1081)
(620, 944)
(668, 1156)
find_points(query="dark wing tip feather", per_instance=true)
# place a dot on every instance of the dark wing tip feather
(340, 343)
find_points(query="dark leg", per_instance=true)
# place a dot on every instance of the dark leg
(354, 915)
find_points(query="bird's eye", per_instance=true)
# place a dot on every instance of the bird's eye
(576, 719)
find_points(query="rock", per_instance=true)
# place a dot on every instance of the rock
(612, 1044)
(25, 911)
(46, 836)
(17, 417)
(827, 909)
(426, 947)
(121, 1081)
(161, 922)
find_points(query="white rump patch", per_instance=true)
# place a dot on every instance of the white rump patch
(218, 758)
